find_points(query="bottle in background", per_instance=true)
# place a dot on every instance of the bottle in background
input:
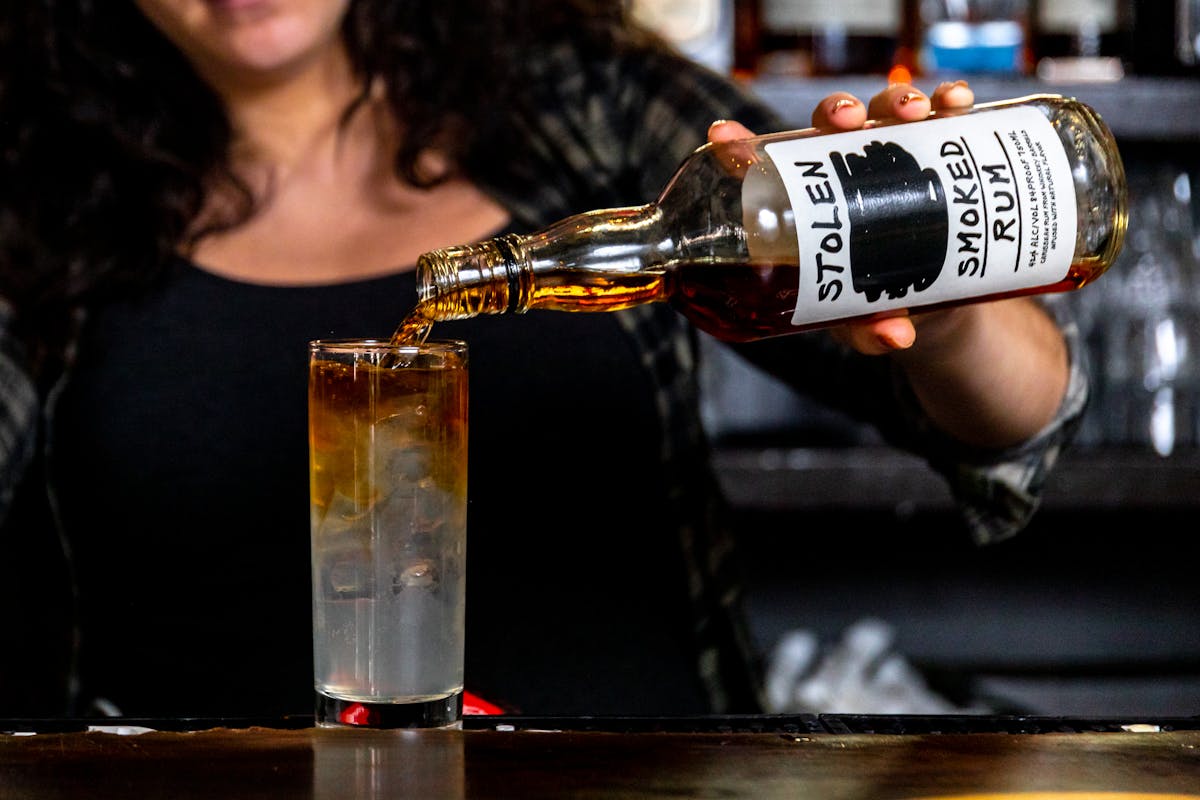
(747, 38)
(701, 29)
(813, 37)
(1166, 37)
(1145, 323)
(1187, 34)
(1082, 40)
(797, 230)
(974, 37)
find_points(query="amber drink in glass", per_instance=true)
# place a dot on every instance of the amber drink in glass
(388, 486)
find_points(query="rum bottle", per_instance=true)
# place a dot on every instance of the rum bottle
(791, 231)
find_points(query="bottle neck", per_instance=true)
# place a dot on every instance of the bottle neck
(488, 277)
(601, 260)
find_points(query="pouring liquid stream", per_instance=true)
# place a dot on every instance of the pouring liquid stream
(413, 329)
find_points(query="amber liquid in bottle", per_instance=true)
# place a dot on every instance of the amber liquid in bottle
(763, 307)
(575, 290)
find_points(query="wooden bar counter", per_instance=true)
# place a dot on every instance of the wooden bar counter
(497, 759)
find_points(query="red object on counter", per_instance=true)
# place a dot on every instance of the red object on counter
(356, 714)
(359, 714)
(473, 704)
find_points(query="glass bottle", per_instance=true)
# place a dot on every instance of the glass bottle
(974, 37)
(1165, 38)
(791, 231)
(813, 37)
(1082, 28)
(1187, 35)
(701, 29)
(1082, 39)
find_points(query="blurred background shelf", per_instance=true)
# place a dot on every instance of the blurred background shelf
(876, 478)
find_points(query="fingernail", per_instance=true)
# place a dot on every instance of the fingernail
(840, 103)
(909, 97)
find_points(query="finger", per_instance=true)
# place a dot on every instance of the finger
(901, 101)
(953, 94)
(879, 336)
(734, 153)
(839, 111)
(724, 130)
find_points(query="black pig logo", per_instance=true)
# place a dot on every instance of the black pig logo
(899, 221)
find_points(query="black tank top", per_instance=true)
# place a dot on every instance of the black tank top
(181, 458)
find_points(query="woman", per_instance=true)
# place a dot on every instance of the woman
(192, 189)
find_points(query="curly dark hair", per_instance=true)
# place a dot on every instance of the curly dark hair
(109, 141)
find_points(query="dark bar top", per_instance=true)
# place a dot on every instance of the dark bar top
(501, 757)
(717, 723)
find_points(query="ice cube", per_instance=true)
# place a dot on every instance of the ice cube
(349, 578)
(420, 573)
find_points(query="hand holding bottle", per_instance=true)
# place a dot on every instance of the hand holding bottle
(1022, 353)
(885, 231)
(842, 111)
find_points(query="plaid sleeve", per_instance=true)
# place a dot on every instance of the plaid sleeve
(611, 131)
(18, 414)
(668, 109)
(999, 491)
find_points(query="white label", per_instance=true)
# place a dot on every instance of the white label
(852, 16)
(910, 215)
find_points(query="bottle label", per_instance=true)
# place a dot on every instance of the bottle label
(910, 215)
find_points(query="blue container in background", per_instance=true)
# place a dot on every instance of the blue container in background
(994, 47)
